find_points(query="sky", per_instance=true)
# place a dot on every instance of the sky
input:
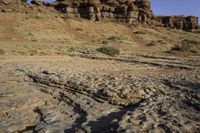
(176, 7)
(173, 7)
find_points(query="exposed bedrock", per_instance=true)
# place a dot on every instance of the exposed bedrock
(129, 11)
(189, 23)
(121, 10)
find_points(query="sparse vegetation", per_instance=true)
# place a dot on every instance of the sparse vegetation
(109, 51)
(2, 52)
(140, 32)
(156, 42)
(79, 29)
(39, 10)
(117, 38)
(37, 17)
(81, 50)
(105, 42)
(187, 45)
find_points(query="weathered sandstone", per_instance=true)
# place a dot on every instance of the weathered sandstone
(129, 11)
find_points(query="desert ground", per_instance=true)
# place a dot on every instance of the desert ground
(54, 80)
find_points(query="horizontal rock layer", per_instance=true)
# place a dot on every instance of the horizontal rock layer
(121, 10)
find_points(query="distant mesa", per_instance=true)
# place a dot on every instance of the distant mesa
(129, 11)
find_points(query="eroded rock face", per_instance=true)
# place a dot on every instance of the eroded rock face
(189, 23)
(129, 11)
(120, 10)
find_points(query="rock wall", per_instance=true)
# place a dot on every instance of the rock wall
(120, 10)
(129, 11)
(189, 23)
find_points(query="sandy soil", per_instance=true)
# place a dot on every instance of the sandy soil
(53, 80)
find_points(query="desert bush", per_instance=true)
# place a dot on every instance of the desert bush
(187, 45)
(39, 10)
(105, 42)
(81, 50)
(156, 42)
(189, 41)
(140, 32)
(109, 51)
(37, 17)
(2, 52)
(79, 29)
(117, 38)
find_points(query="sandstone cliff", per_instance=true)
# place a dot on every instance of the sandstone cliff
(129, 11)
(187, 23)
(120, 10)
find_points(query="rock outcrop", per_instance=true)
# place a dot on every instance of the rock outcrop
(189, 23)
(129, 11)
(120, 10)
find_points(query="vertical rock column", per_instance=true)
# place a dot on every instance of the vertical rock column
(168, 21)
(91, 13)
(104, 12)
(70, 12)
(191, 24)
(132, 14)
(145, 12)
(97, 13)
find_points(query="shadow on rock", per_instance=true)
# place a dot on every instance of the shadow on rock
(110, 123)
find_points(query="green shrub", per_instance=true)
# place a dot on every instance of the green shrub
(108, 51)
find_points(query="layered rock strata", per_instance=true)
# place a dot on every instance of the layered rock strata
(121, 10)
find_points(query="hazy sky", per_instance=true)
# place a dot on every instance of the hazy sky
(174, 7)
